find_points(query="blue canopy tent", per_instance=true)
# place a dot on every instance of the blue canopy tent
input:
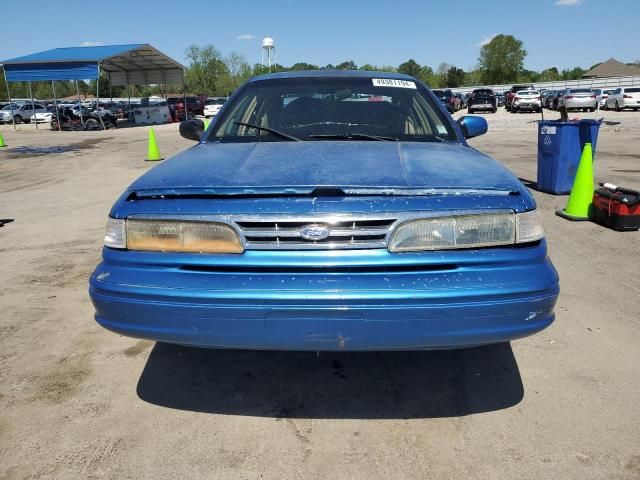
(138, 63)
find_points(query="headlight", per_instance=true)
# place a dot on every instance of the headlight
(466, 231)
(172, 236)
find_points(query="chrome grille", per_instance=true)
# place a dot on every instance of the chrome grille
(285, 233)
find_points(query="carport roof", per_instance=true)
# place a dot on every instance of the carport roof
(138, 63)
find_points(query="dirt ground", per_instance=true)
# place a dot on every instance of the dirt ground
(79, 402)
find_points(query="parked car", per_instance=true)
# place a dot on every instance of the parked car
(602, 95)
(511, 94)
(448, 99)
(500, 99)
(546, 98)
(482, 99)
(578, 99)
(624, 97)
(554, 102)
(325, 223)
(176, 107)
(22, 113)
(5, 112)
(213, 105)
(42, 117)
(526, 100)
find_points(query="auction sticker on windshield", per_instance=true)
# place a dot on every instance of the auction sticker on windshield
(393, 82)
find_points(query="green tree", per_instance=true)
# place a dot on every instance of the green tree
(426, 74)
(410, 67)
(348, 65)
(237, 68)
(502, 59)
(573, 74)
(296, 67)
(549, 75)
(455, 77)
(204, 70)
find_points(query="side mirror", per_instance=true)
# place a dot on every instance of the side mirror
(192, 129)
(473, 126)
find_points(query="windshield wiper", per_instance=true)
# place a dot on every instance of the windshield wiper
(270, 130)
(356, 136)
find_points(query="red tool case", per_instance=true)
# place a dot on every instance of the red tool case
(616, 208)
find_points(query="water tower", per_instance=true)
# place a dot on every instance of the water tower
(268, 52)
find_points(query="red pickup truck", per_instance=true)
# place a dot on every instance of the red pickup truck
(508, 99)
(195, 106)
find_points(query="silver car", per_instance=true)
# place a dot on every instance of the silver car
(602, 95)
(526, 100)
(578, 98)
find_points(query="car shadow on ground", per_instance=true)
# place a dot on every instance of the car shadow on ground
(391, 385)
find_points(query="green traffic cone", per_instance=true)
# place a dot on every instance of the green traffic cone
(153, 153)
(2, 144)
(581, 194)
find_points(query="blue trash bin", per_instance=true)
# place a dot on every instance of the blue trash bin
(560, 147)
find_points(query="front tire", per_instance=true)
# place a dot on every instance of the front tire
(17, 119)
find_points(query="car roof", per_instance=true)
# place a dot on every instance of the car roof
(332, 74)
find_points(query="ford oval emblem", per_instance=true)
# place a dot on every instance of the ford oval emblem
(315, 232)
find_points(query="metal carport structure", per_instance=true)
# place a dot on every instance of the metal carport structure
(125, 65)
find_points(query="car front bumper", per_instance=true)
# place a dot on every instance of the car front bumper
(348, 300)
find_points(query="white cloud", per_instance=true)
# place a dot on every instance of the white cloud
(568, 3)
(486, 40)
(246, 36)
(91, 44)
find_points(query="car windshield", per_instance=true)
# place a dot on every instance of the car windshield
(632, 90)
(528, 92)
(216, 101)
(580, 90)
(359, 108)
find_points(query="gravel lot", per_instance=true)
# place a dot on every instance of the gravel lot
(78, 402)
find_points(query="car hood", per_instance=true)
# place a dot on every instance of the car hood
(355, 167)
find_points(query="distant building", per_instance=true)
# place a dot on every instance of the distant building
(613, 68)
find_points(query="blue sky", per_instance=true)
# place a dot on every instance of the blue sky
(331, 31)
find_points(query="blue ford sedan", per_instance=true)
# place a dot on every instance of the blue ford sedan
(327, 211)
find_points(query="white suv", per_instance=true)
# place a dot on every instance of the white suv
(624, 97)
(21, 113)
(212, 106)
